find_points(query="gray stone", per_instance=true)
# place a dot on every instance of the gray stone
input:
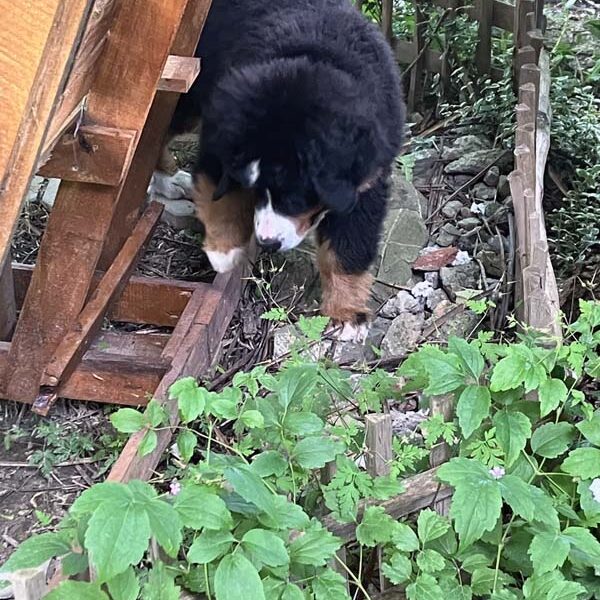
(460, 325)
(433, 278)
(469, 223)
(402, 302)
(377, 331)
(503, 187)
(452, 208)
(405, 424)
(464, 145)
(50, 193)
(481, 191)
(403, 194)
(465, 213)
(491, 261)
(179, 214)
(473, 163)
(463, 277)
(498, 243)
(435, 298)
(496, 212)
(424, 162)
(403, 335)
(492, 177)
(35, 188)
(448, 235)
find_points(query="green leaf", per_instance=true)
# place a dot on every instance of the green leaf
(124, 586)
(386, 487)
(513, 429)
(566, 590)
(482, 580)
(329, 585)
(404, 538)
(252, 419)
(165, 525)
(583, 463)
(552, 393)
(469, 355)
(316, 452)
(545, 511)
(155, 413)
(509, 373)
(425, 587)
(591, 429)
(443, 370)
(589, 505)
(551, 586)
(376, 527)
(552, 439)
(548, 551)
(295, 384)
(250, 487)
(118, 494)
(519, 496)
(35, 551)
(585, 548)
(148, 443)
(200, 508)
(477, 501)
(292, 592)
(190, 398)
(398, 569)
(315, 547)
(265, 547)
(128, 420)
(209, 545)
(161, 584)
(269, 463)
(430, 561)
(186, 444)
(77, 590)
(472, 408)
(74, 563)
(313, 327)
(431, 526)
(116, 539)
(303, 423)
(237, 578)
(285, 515)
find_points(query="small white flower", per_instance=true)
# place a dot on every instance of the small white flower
(595, 489)
(462, 258)
(174, 488)
(423, 289)
(497, 472)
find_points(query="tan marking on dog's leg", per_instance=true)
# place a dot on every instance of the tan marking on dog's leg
(345, 296)
(228, 223)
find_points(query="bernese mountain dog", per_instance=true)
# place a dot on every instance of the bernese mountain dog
(301, 114)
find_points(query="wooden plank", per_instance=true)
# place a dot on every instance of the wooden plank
(145, 300)
(179, 74)
(502, 12)
(440, 453)
(119, 368)
(134, 188)
(82, 72)
(422, 490)
(387, 15)
(483, 53)
(92, 155)
(8, 304)
(415, 88)
(405, 52)
(77, 340)
(82, 214)
(36, 48)
(195, 354)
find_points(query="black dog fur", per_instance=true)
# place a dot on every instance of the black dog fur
(312, 89)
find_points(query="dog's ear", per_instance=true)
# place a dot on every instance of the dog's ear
(248, 176)
(336, 193)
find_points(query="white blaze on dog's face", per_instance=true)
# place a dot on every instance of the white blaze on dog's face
(275, 231)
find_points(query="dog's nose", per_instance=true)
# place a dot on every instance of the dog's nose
(270, 244)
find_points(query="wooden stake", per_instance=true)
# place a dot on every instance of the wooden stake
(440, 453)
(483, 56)
(8, 305)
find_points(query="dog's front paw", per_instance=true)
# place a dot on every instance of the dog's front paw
(172, 187)
(223, 262)
(354, 331)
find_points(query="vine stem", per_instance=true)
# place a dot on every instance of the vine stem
(352, 576)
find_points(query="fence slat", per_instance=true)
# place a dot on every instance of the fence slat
(483, 57)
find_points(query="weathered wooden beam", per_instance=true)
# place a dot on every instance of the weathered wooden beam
(8, 305)
(483, 54)
(77, 340)
(93, 154)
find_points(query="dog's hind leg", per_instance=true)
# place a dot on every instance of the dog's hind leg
(347, 248)
(228, 223)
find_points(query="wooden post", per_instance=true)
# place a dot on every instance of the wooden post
(378, 441)
(415, 91)
(483, 57)
(387, 14)
(441, 405)
(8, 305)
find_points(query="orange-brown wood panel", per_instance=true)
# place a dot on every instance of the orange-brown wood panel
(82, 213)
(179, 74)
(93, 155)
(37, 44)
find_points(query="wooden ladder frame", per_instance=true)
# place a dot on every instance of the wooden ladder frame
(90, 87)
